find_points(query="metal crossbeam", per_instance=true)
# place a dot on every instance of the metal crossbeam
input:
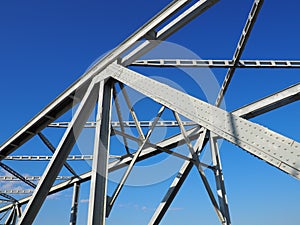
(24, 191)
(30, 178)
(116, 124)
(47, 157)
(212, 63)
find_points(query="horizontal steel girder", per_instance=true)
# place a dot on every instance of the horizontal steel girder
(211, 63)
(127, 124)
(277, 150)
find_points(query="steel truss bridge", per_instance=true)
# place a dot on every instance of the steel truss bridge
(100, 88)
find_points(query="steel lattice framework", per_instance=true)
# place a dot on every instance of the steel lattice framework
(98, 89)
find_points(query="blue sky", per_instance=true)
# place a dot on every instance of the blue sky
(45, 46)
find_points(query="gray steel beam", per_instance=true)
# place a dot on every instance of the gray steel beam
(11, 217)
(116, 124)
(161, 35)
(30, 178)
(46, 157)
(98, 186)
(66, 100)
(221, 191)
(74, 209)
(194, 153)
(10, 198)
(212, 63)
(60, 155)
(270, 102)
(261, 106)
(257, 4)
(276, 149)
(16, 174)
(21, 192)
(137, 124)
(120, 118)
(149, 144)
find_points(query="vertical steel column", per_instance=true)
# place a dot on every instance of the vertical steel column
(98, 188)
(119, 114)
(74, 209)
(219, 179)
(65, 146)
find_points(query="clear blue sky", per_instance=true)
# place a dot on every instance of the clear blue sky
(45, 46)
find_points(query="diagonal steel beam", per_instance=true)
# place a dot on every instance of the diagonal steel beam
(10, 198)
(220, 212)
(60, 155)
(269, 103)
(132, 112)
(10, 220)
(220, 185)
(16, 174)
(276, 149)
(162, 149)
(240, 48)
(52, 149)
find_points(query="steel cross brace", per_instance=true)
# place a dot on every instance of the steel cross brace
(223, 217)
(133, 161)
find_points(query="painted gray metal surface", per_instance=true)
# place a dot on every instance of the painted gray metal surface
(276, 149)
(98, 186)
